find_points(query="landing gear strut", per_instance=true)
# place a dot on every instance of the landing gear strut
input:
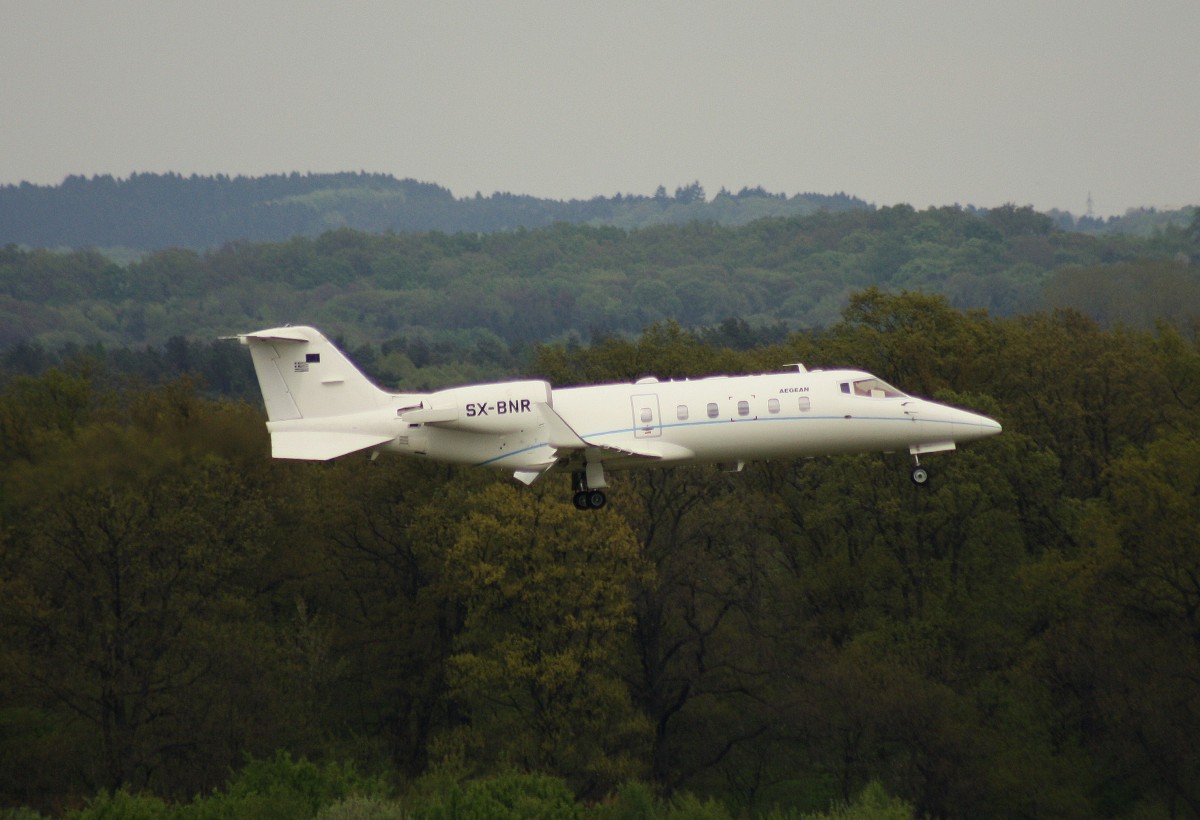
(585, 498)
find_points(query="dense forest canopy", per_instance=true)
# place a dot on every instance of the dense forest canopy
(1020, 639)
(1017, 640)
(478, 301)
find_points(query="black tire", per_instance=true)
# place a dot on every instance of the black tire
(920, 476)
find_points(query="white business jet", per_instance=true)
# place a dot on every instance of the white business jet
(320, 407)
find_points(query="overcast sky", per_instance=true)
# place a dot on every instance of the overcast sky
(1035, 102)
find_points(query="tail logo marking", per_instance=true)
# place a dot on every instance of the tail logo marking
(309, 358)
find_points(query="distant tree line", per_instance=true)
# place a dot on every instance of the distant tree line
(155, 211)
(146, 212)
(475, 303)
(1018, 639)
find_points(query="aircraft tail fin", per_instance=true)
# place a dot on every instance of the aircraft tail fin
(303, 375)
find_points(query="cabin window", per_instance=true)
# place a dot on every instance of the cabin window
(804, 404)
(681, 412)
(772, 405)
(713, 412)
(647, 415)
(743, 408)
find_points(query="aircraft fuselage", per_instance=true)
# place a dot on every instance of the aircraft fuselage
(320, 407)
(717, 419)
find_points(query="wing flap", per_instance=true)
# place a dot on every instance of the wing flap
(658, 450)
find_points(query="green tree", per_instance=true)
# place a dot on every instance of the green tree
(1152, 698)
(547, 617)
(36, 413)
(699, 658)
(381, 532)
(128, 584)
(915, 340)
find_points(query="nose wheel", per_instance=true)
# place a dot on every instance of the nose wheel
(919, 475)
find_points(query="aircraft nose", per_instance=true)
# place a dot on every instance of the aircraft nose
(961, 425)
(975, 425)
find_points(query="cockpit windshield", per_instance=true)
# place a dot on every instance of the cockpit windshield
(872, 388)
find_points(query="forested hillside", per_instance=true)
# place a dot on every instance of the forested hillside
(1020, 639)
(156, 211)
(479, 300)
(1017, 640)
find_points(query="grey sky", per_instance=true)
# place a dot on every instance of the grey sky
(926, 102)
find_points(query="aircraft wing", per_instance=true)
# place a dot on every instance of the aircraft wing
(563, 438)
(658, 450)
(567, 443)
(562, 435)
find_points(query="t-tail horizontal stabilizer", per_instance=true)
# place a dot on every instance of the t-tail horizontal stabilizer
(310, 446)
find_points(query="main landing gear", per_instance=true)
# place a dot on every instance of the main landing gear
(585, 498)
(590, 499)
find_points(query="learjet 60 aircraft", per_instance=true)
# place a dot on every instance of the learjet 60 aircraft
(320, 407)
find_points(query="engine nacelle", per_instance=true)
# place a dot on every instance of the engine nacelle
(503, 407)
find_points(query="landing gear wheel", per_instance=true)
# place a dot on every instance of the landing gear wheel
(920, 476)
(590, 499)
(585, 498)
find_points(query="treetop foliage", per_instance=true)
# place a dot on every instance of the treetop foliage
(1016, 639)
(475, 302)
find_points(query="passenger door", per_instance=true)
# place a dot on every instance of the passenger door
(646, 420)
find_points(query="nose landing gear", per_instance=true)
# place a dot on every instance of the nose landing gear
(919, 475)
